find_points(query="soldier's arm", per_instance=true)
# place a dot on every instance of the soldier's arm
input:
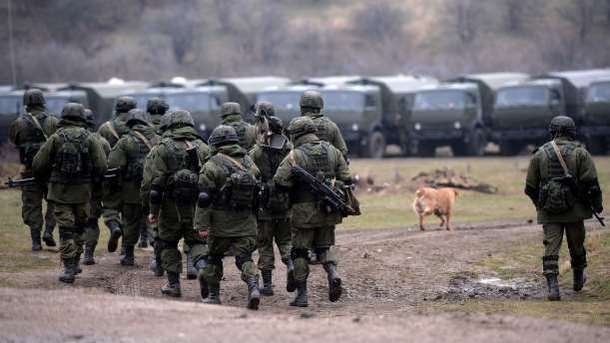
(13, 131)
(204, 152)
(342, 170)
(283, 175)
(160, 170)
(587, 179)
(51, 125)
(118, 156)
(98, 158)
(532, 181)
(337, 140)
(207, 188)
(147, 177)
(41, 165)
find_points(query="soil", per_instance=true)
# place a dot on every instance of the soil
(389, 276)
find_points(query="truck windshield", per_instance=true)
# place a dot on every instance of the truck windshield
(519, 96)
(343, 101)
(10, 104)
(193, 102)
(440, 100)
(282, 101)
(599, 92)
(55, 104)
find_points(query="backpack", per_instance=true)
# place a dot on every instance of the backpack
(135, 158)
(240, 188)
(184, 182)
(72, 160)
(34, 135)
(557, 193)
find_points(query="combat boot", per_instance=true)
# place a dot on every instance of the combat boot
(254, 296)
(579, 279)
(301, 298)
(76, 263)
(191, 272)
(267, 282)
(553, 285)
(334, 282)
(291, 284)
(115, 234)
(155, 267)
(172, 288)
(36, 244)
(89, 252)
(143, 243)
(47, 237)
(203, 284)
(213, 296)
(128, 259)
(68, 275)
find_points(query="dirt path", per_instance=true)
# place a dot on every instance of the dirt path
(388, 275)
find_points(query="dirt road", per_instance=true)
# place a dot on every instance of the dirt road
(389, 277)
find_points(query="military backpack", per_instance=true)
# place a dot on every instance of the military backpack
(240, 188)
(72, 161)
(558, 189)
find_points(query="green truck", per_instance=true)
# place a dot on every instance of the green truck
(595, 129)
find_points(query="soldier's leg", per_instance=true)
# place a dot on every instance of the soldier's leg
(199, 252)
(302, 241)
(132, 220)
(191, 272)
(282, 234)
(49, 225)
(81, 215)
(31, 212)
(575, 235)
(324, 241)
(144, 237)
(553, 236)
(244, 247)
(68, 248)
(92, 230)
(213, 272)
(170, 232)
(266, 260)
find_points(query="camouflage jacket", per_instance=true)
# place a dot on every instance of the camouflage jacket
(128, 155)
(580, 165)
(75, 189)
(113, 130)
(213, 176)
(245, 131)
(329, 131)
(26, 135)
(316, 157)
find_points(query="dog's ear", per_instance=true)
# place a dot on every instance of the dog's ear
(419, 192)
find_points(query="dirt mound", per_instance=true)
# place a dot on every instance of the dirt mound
(450, 178)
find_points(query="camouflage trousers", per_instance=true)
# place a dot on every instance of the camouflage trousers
(553, 237)
(278, 230)
(219, 246)
(92, 231)
(31, 208)
(174, 226)
(133, 219)
(319, 240)
(71, 219)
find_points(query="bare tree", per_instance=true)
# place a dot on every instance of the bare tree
(581, 13)
(379, 21)
(467, 18)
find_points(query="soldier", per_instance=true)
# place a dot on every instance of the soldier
(562, 184)
(274, 208)
(311, 104)
(231, 116)
(314, 226)
(92, 231)
(70, 159)
(28, 133)
(128, 156)
(156, 108)
(173, 192)
(112, 131)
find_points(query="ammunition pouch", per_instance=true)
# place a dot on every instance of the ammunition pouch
(27, 153)
(204, 200)
(184, 187)
(557, 194)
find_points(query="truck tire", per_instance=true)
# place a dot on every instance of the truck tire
(376, 146)
(510, 148)
(426, 149)
(475, 147)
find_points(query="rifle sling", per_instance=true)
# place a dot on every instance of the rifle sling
(566, 171)
(38, 126)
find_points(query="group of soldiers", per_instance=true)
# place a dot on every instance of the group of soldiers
(149, 174)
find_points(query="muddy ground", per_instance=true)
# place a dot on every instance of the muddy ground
(391, 277)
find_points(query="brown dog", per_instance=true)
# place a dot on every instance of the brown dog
(439, 202)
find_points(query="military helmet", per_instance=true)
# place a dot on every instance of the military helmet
(156, 106)
(124, 104)
(180, 118)
(312, 99)
(276, 125)
(562, 125)
(229, 108)
(137, 116)
(300, 126)
(223, 135)
(33, 97)
(89, 118)
(265, 109)
(73, 110)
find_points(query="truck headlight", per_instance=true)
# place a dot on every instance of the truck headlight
(355, 127)
(457, 125)
(417, 126)
(202, 127)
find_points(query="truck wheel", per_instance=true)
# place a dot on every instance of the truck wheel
(426, 149)
(509, 148)
(477, 144)
(376, 145)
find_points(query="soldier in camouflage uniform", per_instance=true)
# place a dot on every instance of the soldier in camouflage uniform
(28, 133)
(274, 207)
(128, 156)
(563, 199)
(231, 116)
(156, 108)
(70, 160)
(311, 104)
(173, 192)
(112, 131)
(225, 215)
(314, 226)
(92, 231)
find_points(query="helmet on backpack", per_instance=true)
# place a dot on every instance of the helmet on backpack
(223, 135)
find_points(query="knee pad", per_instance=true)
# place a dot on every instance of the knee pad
(241, 259)
(321, 253)
(65, 234)
(299, 253)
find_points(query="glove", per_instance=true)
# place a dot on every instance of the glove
(203, 234)
(152, 219)
(598, 209)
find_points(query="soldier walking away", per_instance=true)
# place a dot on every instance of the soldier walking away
(127, 157)
(314, 224)
(28, 133)
(273, 213)
(112, 131)
(231, 116)
(562, 183)
(70, 160)
(156, 108)
(92, 231)
(173, 193)
(311, 104)
(225, 214)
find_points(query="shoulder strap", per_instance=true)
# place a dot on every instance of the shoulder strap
(38, 126)
(110, 126)
(561, 160)
(234, 161)
(143, 139)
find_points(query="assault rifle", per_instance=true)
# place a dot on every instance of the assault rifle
(330, 197)
(599, 218)
(20, 182)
